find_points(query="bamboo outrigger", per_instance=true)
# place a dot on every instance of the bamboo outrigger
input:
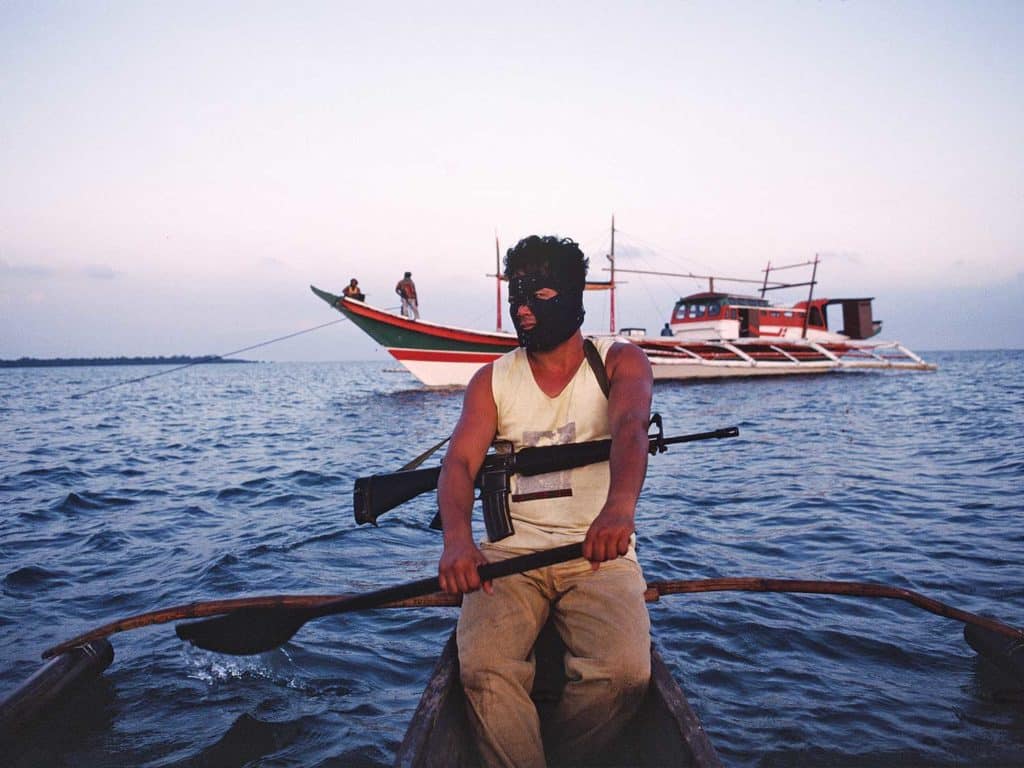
(665, 732)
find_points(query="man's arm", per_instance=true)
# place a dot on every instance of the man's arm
(470, 440)
(629, 413)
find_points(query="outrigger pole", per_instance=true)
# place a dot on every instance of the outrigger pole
(774, 286)
(710, 278)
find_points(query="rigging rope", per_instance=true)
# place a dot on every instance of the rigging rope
(208, 359)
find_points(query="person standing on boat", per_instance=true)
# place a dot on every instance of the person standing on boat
(547, 392)
(406, 289)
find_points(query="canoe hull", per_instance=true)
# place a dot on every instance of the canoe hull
(666, 731)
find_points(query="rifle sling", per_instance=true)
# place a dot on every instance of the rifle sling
(597, 366)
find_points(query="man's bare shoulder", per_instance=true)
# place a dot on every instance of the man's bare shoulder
(479, 388)
(482, 377)
(478, 420)
(626, 359)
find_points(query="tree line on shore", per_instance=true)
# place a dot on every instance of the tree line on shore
(33, 362)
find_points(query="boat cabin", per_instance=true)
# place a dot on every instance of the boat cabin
(713, 315)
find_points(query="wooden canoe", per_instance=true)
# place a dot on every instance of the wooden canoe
(666, 732)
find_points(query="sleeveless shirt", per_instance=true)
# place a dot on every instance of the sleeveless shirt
(558, 507)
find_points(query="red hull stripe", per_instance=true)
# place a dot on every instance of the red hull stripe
(430, 329)
(436, 356)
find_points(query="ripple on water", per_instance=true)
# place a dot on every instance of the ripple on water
(30, 580)
(236, 493)
(108, 541)
(284, 500)
(90, 501)
(309, 479)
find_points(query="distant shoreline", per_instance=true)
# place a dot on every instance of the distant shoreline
(63, 362)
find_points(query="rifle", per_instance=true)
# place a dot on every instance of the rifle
(376, 494)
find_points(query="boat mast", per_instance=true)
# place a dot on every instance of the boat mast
(810, 295)
(611, 258)
(497, 275)
(764, 285)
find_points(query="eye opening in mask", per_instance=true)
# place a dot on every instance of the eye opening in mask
(522, 289)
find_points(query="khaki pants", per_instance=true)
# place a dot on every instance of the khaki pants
(603, 621)
(410, 308)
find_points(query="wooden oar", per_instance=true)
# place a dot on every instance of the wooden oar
(256, 630)
(201, 609)
(439, 599)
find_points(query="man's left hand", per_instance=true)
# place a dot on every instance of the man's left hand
(608, 536)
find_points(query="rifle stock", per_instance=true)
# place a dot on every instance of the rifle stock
(376, 494)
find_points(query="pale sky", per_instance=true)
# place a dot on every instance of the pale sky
(175, 174)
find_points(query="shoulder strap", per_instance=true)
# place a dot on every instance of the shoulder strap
(597, 366)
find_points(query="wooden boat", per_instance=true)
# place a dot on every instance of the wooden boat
(448, 356)
(665, 732)
(709, 334)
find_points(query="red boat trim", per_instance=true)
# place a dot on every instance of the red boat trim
(503, 340)
(439, 356)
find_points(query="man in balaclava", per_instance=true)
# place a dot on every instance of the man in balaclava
(551, 391)
(547, 277)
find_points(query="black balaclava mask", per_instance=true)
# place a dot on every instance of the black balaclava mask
(557, 317)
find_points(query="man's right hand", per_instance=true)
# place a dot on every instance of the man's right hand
(457, 570)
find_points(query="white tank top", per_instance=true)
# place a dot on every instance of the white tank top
(556, 508)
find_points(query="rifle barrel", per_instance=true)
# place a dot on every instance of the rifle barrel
(712, 435)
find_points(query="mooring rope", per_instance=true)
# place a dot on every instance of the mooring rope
(208, 359)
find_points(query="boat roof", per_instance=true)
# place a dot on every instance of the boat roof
(729, 298)
(756, 301)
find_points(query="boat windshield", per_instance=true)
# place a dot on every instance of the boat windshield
(697, 310)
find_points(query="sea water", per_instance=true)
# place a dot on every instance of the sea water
(226, 481)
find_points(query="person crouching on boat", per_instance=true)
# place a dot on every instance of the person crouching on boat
(353, 291)
(546, 392)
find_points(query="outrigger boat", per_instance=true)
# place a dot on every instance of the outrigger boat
(709, 334)
(665, 732)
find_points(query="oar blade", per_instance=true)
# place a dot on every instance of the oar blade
(1004, 652)
(245, 631)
